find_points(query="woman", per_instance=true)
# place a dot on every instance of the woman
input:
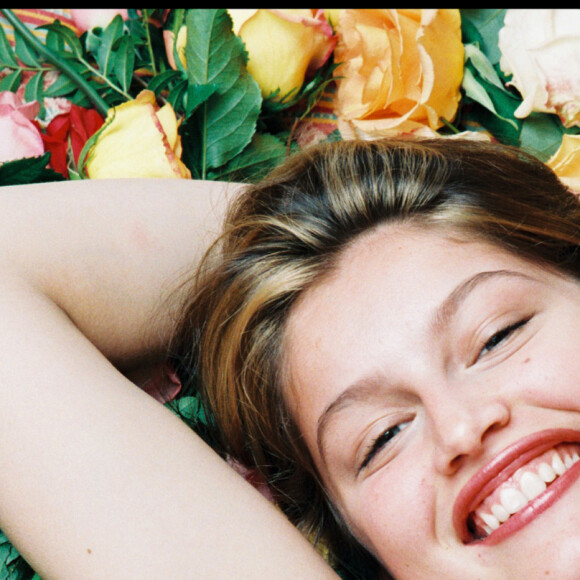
(97, 479)
(388, 332)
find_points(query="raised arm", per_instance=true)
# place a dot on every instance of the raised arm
(97, 479)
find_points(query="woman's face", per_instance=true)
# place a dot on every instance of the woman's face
(437, 385)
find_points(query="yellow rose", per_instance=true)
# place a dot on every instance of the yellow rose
(400, 70)
(566, 162)
(139, 139)
(284, 46)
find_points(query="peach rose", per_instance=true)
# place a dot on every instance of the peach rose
(400, 71)
(541, 49)
(566, 162)
(284, 46)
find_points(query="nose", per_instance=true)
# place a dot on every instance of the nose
(461, 424)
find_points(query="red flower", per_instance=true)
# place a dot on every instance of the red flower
(74, 128)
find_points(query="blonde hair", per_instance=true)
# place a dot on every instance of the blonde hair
(284, 234)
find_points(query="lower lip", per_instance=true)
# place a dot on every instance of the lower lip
(533, 509)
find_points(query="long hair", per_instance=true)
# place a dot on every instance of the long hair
(284, 234)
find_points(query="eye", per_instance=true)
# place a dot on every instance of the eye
(383, 439)
(500, 336)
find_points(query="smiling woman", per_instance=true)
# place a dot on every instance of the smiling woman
(387, 331)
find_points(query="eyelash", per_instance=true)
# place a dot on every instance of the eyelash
(384, 438)
(497, 338)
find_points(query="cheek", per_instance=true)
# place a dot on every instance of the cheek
(394, 509)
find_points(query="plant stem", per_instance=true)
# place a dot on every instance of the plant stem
(54, 59)
(149, 45)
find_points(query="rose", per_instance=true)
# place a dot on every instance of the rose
(77, 125)
(400, 71)
(284, 46)
(139, 139)
(20, 136)
(566, 162)
(88, 18)
(541, 49)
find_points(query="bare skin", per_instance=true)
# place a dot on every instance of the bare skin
(97, 479)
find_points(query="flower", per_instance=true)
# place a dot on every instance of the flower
(178, 45)
(284, 46)
(541, 49)
(20, 136)
(77, 125)
(87, 18)
(400, 71)
(566, 162)
(139, 139)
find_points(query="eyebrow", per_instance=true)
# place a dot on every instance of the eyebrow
(364, 388)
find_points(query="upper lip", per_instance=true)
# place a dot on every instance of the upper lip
(500, 468)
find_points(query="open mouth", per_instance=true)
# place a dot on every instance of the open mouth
(517, 485)
(524, 486)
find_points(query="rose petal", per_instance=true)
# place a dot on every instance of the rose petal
(566, 161)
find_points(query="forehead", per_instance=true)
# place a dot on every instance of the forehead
(386, 285)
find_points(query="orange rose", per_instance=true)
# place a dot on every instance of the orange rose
(566, 162)
(400, 71)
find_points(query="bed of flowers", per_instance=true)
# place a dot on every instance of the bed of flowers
(228, 94)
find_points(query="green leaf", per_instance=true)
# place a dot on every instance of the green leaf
(68, 37)
(487, 22)
(61, 87)
(196, 95)
(54, 41)
(28, 170)
(541, 135)
(7, 57)
(229, 122)
(11, 82)
(263, 154)
(124, 61)
(214, 54)
(163, 80)
(110, 36)
(26, 54)
(34, 90)
(12, 564)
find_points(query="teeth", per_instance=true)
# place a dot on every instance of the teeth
(546, 472)
(526, 484)
(490, 521)
(558, 465)
(500, 513)
(531, 485)
(512, 500)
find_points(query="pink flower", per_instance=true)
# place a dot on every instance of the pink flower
(88, 18)
(20, 136)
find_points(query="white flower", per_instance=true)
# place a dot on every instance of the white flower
(541, 49)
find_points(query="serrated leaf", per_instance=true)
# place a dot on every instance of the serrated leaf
(214, 54)
(61, 87)
(11, 82)
(196, 95)
(175, 96)
(54, 42)
(111, 34)
(26, 54)
(68, 37)
(229, 121)
(34, 90)
(124, 61)
(6, 54)
(28, 170)
(163, 80)
(263, 154)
